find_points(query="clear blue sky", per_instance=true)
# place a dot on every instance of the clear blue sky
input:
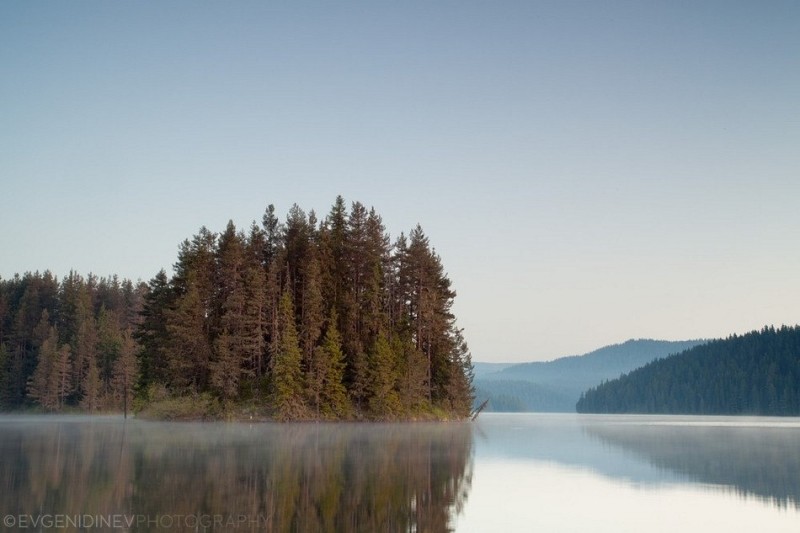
(588, 171)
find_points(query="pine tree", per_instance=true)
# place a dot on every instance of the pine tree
(287, 377)
(49, 384)
(189, 347)
(383, 398)
(412, 378)
(273, 235)
(238, 341)
(109, 345)
(152, 334)
(326, 391)
(313, 307)
(125, 372)
(77, 327)
(334, 393)
(225, 369)
(91, 387)
(255, 318)
(460, 392)
(332, 244)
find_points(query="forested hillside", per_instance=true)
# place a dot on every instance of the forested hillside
(757, 373)
(302, 319)
(556, 385)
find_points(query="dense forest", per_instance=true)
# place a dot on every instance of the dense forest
(301, 319)
(757, 373)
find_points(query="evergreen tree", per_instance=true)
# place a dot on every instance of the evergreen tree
(92, 387)
(326, 391)
(287, 377)
(76, 321)
(383, 398)
(273, 235)
(313, 311)
(255, 320)
(189, 347)
(152, 335)
(238, 337)
(109, 345)
(125, 372)
(413, 386)
(460, 391)
(226, 368)
(334, 393)
(49, 384)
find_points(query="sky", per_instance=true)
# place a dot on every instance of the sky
(589, 172)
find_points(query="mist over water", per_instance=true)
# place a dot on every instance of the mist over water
(221, 477)
(518, 472)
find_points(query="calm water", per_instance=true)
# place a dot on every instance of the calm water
(503, 473)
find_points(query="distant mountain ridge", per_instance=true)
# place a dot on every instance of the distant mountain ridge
(756, 374)
(556, 386)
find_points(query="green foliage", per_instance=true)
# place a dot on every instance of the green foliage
(757, 373)
(243, 318)
(287, 376)
(384, 402)
(49, 385)
(327, 393)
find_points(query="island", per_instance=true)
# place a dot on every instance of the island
(303, 319)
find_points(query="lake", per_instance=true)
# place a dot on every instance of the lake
(505, 472)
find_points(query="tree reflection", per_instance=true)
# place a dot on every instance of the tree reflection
(754, 461)
(265, 477)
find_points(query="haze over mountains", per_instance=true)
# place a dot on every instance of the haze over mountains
(556, 386)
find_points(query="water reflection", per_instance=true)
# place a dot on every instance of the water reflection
(753, 457)
(552, 472)
(265, 477)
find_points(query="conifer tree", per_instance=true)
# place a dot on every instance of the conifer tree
(109, 344)
(152, 335)
(239, 339)
(334, 393)
(273, 235)
(91, 387)
(326, 391)
(460, 392)
(332, 243)
(189, 348)
(383, 398)
(313, 311)
(49, 384)
(225, 369)
(274, 294)
(412, 378)
(255, 319)
(77, 327)
(125, 372)
(287, 377)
